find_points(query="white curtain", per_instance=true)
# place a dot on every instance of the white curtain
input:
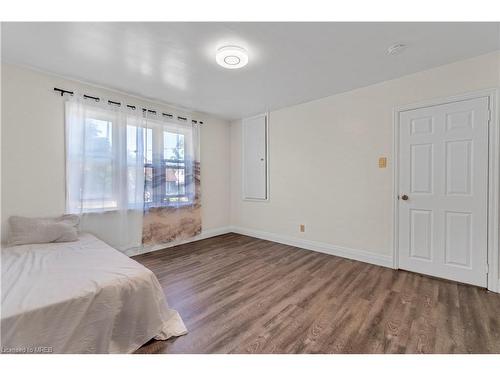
(105, 170)
(132, 175)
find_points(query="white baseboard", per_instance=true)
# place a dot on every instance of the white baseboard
(213, 232)
(203, 235)
(344, 252)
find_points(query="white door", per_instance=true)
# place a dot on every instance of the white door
(443, 190)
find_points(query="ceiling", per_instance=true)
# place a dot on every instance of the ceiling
(290, 63)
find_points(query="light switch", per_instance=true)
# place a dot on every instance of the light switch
(382, 162)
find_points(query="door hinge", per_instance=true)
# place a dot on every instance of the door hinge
(487, 268)
(489, 115)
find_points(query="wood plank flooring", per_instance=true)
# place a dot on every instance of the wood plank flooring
(238, 294)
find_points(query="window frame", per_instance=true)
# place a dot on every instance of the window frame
(159, 166)
(101, 115)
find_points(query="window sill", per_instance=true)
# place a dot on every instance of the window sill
(132, 209)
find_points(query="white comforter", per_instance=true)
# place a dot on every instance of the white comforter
(80, 297)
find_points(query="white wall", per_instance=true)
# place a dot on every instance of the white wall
(323, 155)
(33, 179)
(324, 159)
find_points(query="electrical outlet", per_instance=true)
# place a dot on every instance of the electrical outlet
(302, 228)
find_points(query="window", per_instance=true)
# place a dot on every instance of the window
(118, 162)
(97, 173)
(165, 175)
(164, 179)
(175, 167)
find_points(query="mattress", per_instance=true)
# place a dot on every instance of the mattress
(80, 297)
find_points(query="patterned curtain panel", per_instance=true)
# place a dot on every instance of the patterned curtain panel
(172, 205)
(133, 176)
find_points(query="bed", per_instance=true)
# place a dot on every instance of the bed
(80, 297)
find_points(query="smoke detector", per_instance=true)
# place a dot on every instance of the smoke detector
(396, 49)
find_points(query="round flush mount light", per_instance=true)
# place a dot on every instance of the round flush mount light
(231, 57)
(396, 49)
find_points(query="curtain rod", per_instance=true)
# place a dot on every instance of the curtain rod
(97, 99)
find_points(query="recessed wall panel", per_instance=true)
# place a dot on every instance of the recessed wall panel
(254, 149)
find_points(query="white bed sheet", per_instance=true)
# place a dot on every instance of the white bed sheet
(80, 297)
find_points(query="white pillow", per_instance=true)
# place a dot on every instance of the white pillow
(27, 230)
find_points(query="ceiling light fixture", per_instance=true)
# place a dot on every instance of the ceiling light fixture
(231, 57)
(396, 49)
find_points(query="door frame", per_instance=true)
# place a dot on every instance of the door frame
(493, 176)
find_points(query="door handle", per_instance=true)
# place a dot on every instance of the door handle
(404, 197)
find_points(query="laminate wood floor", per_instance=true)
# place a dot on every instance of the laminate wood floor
(238, 294)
